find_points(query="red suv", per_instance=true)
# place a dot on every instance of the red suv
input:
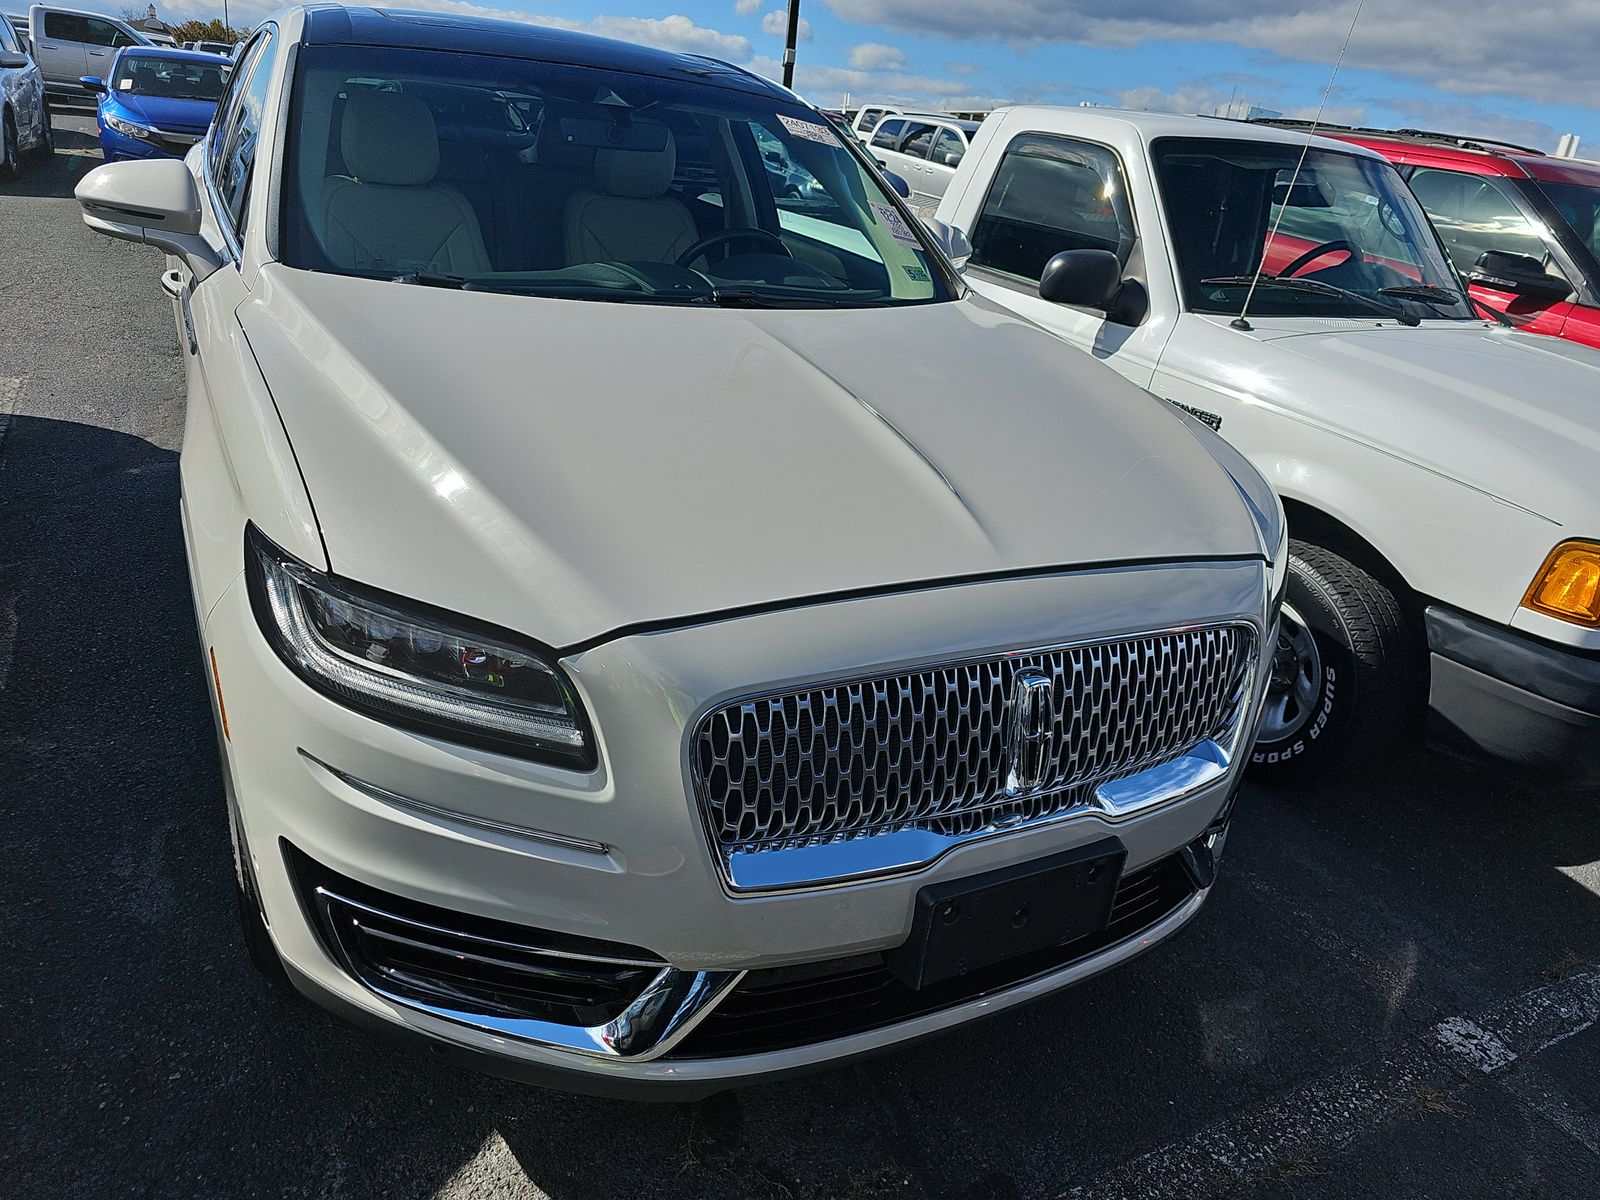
(1522, 227)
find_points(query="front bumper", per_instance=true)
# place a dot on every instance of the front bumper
(619, 855)
(119, 146)
(1517, 698)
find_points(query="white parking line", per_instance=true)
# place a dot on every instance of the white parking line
(1328, 1113)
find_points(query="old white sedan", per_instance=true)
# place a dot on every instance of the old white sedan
(661, 632)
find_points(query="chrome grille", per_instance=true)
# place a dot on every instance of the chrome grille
(929, 749)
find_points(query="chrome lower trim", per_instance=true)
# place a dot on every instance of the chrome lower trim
(913, 849)
(668, 1008)
(423, 808)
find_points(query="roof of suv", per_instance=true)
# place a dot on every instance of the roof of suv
(1477, 156)
(334, 24)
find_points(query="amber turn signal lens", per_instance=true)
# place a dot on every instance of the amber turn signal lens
(1568, 585)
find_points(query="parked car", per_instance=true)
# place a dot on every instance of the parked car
(1441, 474)
(868, 116)
(926, 150)
(619, 661)
(69, 43)
(1522, 228)
(223, 48)
(161, 39)
(157, 103)
(24, 115)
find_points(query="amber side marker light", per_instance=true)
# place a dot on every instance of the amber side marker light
(216, 678)
(1568, 585)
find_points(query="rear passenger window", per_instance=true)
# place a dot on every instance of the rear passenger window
(103, 33)
(66, 27)
(887, 135)
(918, 139)
(1052, 194)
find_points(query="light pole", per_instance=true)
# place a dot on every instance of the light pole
(789, 43)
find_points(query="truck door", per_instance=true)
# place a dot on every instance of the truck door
(1050, 193)
(59, 46)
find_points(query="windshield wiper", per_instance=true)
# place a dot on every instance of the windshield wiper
(750, 298)
(1432, 293)
(433, 279)
(1315, 287)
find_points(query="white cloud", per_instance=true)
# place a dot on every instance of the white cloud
(1210, 98)
(962, 68)
(1540, 50)
(746, 8)
(875, 56)
(776, 23)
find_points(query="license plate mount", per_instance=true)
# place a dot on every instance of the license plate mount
(967, 924)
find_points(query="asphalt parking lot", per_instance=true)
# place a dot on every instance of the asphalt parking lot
(1392, 993)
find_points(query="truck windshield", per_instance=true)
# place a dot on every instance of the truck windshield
(505, 174)
(1344, 220)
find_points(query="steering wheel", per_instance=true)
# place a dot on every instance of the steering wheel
(732, 235)
(1316, 252)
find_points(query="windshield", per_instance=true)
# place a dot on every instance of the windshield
(170, 78)
(1579, 206)
(513, 175)
(1347, 221)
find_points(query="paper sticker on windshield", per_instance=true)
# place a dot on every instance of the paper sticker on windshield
(809, 130)
(917, 273)
(895, 224)
(126, 84)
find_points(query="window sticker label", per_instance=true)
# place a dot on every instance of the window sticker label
(891, 220)
(126, 85)
(917, 273)
(809, 130)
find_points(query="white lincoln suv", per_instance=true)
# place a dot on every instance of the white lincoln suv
(662, 632)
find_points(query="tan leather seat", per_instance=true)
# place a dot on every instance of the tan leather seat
(627, 215)
(388, 214)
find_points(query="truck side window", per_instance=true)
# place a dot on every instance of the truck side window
(1474, 213)
(1051, 194)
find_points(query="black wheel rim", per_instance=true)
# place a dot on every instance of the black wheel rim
(1296, 685)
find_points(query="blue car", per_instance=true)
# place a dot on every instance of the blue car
(158, 102)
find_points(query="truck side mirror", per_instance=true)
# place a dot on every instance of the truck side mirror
(1083, 278)
(952, 240)
(1520, 274)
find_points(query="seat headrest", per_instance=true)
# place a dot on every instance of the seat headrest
(638, 173)
(389, 137)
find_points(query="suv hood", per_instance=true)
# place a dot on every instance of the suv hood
(568, 468)
(1516, 415)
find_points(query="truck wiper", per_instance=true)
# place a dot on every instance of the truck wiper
(1432, 293)
(1292, 283)
(750, 298)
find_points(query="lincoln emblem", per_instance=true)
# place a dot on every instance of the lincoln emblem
(1032, 729)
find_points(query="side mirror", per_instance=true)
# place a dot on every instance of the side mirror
(153, 201)
(1083, 278)
(952, 240)
(93, 83)
(1520, 274)
(901, 187)
(14, 61)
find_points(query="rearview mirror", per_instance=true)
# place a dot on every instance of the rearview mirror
(153, 201)
(13, 61)
(1084, 278)
(93, 83)
(1520, 274)
(951, 239)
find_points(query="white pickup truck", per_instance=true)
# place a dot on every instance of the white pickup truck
(1441, 473)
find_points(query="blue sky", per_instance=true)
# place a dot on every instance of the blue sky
(1523, 72)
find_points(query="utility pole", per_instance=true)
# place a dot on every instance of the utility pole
(789, 44)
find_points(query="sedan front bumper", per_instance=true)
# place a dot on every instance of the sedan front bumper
(413, 852)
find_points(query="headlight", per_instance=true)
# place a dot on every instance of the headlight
(127, 127)
(1568, 585)
(436, 673)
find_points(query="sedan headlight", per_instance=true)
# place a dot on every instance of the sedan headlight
(410, 666)
(127, 127)
(1567, 586)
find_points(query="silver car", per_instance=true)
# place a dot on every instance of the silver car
(24, 115)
